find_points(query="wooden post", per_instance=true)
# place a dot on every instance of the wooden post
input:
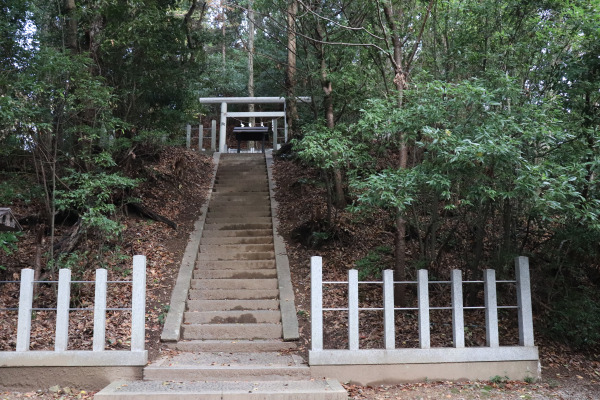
(316, 302)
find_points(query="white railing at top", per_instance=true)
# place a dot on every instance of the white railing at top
(99, 355)
(390, 354)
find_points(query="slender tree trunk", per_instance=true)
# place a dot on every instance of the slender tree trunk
(292, 109)
(71, 25)
(400, 259)
(223, 47)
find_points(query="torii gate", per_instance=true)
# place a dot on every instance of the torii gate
(248, 100)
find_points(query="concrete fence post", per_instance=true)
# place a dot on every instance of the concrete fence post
(200, 137)
(353, 309)
(223, 128)
(491, 308)
(100, 310)
(138, 304)
(63, 298)
(316, 302)
(274, 125)
(188, 136)
(524, 301)
(458, 318)
(213, 135)
(25, 305)
(389, 325)
(423, 295)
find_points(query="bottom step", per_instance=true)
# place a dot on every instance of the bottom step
(234, 346)
(278, 390)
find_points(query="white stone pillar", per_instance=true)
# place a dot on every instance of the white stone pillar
(353, 309)
(25, 305)
(213, 135)
(63, 298)
(389, 325)
(200, 137)
(138, 304)
(274, 125)
(188, 136)
(100, 310)
(223, 128)
(491, 308)
(458, 318)
(423, 295)
(524, 301)
(316, 302)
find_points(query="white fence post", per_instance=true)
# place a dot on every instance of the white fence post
(200, 136)
(389, 325)
(458, 318)
(274, 125)
(138, 304)
(316, 302)
(213, 135)
(423, 295)
(63, 299)
(188, 136)
(223, 128)
(25, 305)
(524, 302)
(100, 310)
(491, 308)
(353, 309)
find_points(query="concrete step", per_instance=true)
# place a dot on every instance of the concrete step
(237, 233)
(220, 241)
(232, 248)
(228, 256)
(231, 331)
(263, 390)
(238, 207)
(234, 346)
(203, 265)
(233, 294)
(235, 274)
(251, 211)
(237, 220)
(237, 265)
(232, 317)
(235, 227)
(235, 305)
(234, 284)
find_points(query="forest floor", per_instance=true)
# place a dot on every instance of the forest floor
(175, 187)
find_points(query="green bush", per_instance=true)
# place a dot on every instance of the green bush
(575, 319)
(373, 263)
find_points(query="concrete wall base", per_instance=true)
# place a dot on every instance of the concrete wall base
(84, 378)
(401, 373)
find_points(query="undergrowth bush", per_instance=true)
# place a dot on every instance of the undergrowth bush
(575, 319)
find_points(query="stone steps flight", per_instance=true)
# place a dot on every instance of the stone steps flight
(231, 344)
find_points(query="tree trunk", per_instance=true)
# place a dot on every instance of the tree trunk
(71, 25)
(292, 109)
(223, 47)
(400, 259)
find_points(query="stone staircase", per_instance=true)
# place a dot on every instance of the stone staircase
(231, 344)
